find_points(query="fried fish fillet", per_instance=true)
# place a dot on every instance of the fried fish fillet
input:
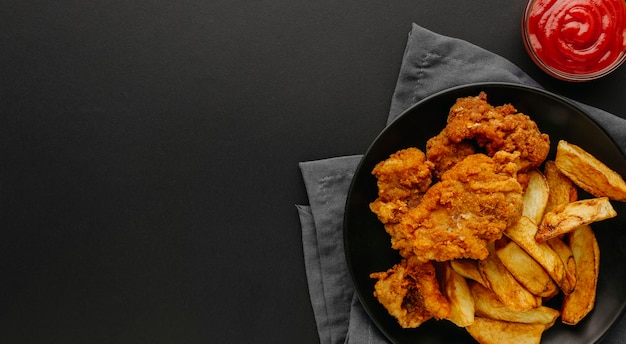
(475, 201)
(402, 180)
(410, 292)
(492, 128)
(453, 201)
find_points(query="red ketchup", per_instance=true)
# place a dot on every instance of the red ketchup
(576, 40)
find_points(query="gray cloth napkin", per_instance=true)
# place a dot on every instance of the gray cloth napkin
(431, 63)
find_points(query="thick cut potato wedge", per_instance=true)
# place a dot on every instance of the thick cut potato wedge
(458, 293)
(526, 270)
(488, 305)
(566, 217)
(505, 286)
(536, 196)
(523, 234)
(489, 331)
(467, 268)
(586, 252)
(589, 173)
(562, 189)
(567, 257)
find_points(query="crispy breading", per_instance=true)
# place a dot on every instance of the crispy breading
(470, 207)
(499, 128)
(444, 153)
(478, 164)
(410, 292)
(402, 180)
(455, 218)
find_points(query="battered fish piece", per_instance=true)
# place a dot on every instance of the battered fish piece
(445, 153)
(475, 201)
(402, 180)
(479, 162)
(494, 129)
(410, 292)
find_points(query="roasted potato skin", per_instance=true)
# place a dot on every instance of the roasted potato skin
(457, 290)
(525, 269)
(586, 252)
(589, 173)
(566, 217)
(491, 331)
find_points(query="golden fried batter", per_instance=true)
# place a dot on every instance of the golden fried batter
(495, 129)
(402, 180)
(478, 161)
(410, 292)
(444, 153)
(475, 201)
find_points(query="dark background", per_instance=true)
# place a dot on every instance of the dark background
(149, 154)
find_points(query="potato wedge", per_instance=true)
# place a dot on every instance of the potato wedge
(526, 270)
(458, 293)
(489, 331)
(567, 257)
(523, 234)
(536, 196)
(467, 268)
(566, 217)
(562, 189)
(505, 286)
(586, 252)
(588, 172)
(488, 305)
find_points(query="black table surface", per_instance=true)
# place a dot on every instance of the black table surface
(149, 157)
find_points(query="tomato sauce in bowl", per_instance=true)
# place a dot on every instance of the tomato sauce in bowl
(576, 40)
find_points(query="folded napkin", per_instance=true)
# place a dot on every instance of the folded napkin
(431, 63)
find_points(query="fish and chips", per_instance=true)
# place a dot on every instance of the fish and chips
(485, 236)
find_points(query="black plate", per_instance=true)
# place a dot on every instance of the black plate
(367, 245)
